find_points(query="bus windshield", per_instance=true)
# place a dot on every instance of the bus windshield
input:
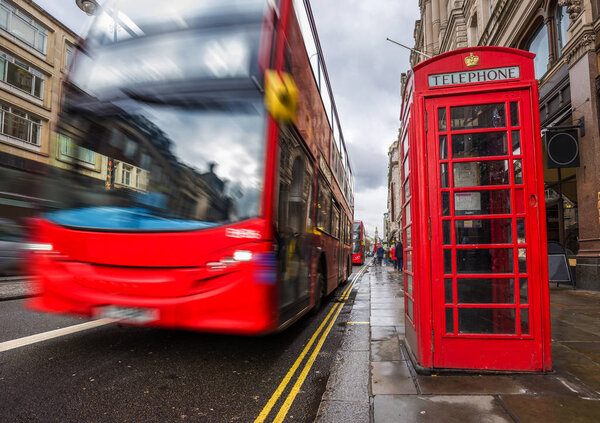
(163, 127)
(357, 237)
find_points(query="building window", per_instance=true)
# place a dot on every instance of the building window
(146, 161)
(69, 56)
(156, 173)
(22, 26)
(130, 148)
(70, 149)
(21, 75)
(138, 175)
(538, 44)
(21, 125)
(126, 176)
(562, 23)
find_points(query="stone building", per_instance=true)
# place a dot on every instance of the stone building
(394, 206)
(35, 52)
(565, 36)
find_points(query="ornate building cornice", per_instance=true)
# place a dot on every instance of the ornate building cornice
(575, 49)
(573, 7)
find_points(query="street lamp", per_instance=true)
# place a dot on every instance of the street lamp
(90, 7)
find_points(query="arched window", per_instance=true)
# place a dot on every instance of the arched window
(538, 44)
(562, 23)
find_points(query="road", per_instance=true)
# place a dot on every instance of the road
(133, 374)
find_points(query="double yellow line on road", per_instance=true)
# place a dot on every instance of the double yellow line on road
(327, 324)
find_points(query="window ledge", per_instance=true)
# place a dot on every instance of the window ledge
(16, 142)
(43, 56)
(131, 187)
(70, 161)
(20, 93)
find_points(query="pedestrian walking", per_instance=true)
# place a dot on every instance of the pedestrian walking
(393, 256)
(380, 253)
(398, 248)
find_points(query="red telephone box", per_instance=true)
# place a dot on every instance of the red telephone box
(476, 275)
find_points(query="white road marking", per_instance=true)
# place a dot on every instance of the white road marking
(28, 340)
(568, 385)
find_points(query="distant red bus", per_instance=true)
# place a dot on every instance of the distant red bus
(182, 202)
(358, 243)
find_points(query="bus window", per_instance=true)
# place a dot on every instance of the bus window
(295, 176)
(335, 221)
(324, 206)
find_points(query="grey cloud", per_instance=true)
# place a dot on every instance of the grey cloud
(369, 166)
(364, 70)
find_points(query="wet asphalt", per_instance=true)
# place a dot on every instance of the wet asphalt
(132, 374)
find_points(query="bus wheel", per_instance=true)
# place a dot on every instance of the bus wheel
(319, 293)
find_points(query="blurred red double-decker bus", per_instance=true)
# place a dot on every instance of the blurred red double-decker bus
(358, 243)
(183, 202)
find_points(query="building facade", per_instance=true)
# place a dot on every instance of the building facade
(394, 205)
(35, 52)
(565, 36)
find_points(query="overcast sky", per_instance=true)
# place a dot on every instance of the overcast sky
(364, 70)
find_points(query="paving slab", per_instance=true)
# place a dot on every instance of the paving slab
(385, 321)
(379, 333)
(386, 350)
(550, 385)
(391, 377)
(470, 384)
(565, 331)
(392, 302)
(586, 320)
(343, 411)
(387, 313)
(567, 296)
(580, 366)
(590, 349)
(439, 409)
(389, 306)
(544, 409)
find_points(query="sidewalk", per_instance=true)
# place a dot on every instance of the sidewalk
(372, 380)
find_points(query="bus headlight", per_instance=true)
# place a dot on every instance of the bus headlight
(229, 262)
(35, 246)
(242, 255)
